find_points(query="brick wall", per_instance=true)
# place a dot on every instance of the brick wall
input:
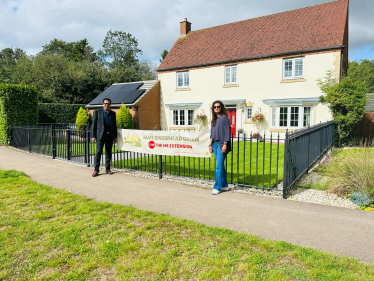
(149, 109)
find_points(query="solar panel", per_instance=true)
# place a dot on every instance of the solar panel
(120, 93)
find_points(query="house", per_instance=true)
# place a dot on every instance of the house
(142, 98)
(268, 64)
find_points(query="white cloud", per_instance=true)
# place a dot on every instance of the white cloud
(31, 24)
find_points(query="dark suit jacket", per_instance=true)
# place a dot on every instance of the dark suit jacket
(98, 124)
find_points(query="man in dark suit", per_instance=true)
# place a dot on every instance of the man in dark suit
(104, 132)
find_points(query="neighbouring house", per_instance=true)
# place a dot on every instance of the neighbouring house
(268, 64)
(142, 98)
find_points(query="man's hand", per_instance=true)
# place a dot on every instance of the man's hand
(93, 140)
(224, 148)
(115, 140)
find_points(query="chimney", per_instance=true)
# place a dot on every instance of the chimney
(185, 27)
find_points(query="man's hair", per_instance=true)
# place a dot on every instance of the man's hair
(107, 99)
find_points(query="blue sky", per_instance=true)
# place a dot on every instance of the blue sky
(30, 24)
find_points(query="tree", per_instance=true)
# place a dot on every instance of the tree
(120, 50)
(346, 101)
(363, 71)
(124, 118)
(82, 120)
(8, 60)
(164, 54)
(74, 51)
(148, 70)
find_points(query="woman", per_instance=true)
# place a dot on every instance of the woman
(220, 144)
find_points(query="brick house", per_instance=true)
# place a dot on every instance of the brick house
(268, 64)
(142, 98)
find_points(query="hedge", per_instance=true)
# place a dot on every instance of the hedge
(18, 106)
(59, 113)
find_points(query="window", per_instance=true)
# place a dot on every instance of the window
(248, 113)
(230, 74)
(290, 116)
(183, 79)
(293, 68)
(183, 117)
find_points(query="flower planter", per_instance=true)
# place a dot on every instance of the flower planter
(256, 139)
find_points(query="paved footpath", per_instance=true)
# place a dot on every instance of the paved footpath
(336, 230)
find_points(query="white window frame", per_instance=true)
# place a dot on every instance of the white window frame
(276, 110)
(229, 77)
(293, 70)
(185, 76)
(247, 117)
(185, 113)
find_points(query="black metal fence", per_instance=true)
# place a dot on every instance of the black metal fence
(254, 162)
(303, 148)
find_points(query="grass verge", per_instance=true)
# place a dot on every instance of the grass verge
(50, 234)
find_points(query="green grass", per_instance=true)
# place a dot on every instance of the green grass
(50, 234)
(200, 168)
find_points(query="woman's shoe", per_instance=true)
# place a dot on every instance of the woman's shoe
(216, 191)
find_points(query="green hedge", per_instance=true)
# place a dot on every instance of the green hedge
(58, 112)
(18, 106)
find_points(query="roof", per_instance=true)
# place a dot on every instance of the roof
(312, 28)
(123, 93)
(369, 107)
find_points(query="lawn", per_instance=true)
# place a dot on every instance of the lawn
(51, 234)
(253, 162)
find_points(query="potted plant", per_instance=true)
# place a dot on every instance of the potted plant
(258, 117)
(256, 137)
(201, 120)
(241, 134)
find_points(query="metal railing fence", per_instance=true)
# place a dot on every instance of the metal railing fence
(253, 162)
(303, 148)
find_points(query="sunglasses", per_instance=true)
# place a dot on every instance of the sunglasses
(106, 103)
(216, 106)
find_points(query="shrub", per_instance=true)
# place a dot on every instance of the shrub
(18, 106)
(58, 113)
(359, 199)
(124, 118)
(346, 101)
(83, 119)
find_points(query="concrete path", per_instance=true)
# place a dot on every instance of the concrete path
(336, 230)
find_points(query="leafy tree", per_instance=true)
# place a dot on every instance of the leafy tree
(346, 101)
(120, 50)
(124, 118)
(8, 60)
(148, 70)
(164, 54)
(75, 51)
(82, 120)
(363, 71)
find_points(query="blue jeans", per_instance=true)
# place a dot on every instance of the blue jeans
(221, 177)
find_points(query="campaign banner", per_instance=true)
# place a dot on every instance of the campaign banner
(174, 143)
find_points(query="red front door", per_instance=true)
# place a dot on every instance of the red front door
(231, 112)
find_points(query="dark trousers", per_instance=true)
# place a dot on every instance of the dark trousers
(107, 140)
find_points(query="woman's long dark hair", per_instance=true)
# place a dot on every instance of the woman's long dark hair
(214, 115)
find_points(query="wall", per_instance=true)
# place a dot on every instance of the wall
(256, 81)
(149, 109)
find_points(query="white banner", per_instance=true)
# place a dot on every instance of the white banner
(172, 143)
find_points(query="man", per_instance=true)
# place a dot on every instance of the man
(104, 132)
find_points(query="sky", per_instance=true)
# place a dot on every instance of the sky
(30, 24)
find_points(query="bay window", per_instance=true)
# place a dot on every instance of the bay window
(183, 117)
(290, 116)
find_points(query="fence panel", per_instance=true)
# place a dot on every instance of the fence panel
(303, 148)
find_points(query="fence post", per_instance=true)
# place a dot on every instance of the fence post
(307, 171)
(28, 137)
(160, 167)
(68, 144)
(87, 148)
(285, 168)
(54, 148)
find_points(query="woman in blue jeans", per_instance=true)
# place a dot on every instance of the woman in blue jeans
(220, 144)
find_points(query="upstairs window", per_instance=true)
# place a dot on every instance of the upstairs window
(183, 79)
(293, 68)
(230, 74)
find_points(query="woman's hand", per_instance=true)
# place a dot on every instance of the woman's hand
(224, 148)
(210, 149)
